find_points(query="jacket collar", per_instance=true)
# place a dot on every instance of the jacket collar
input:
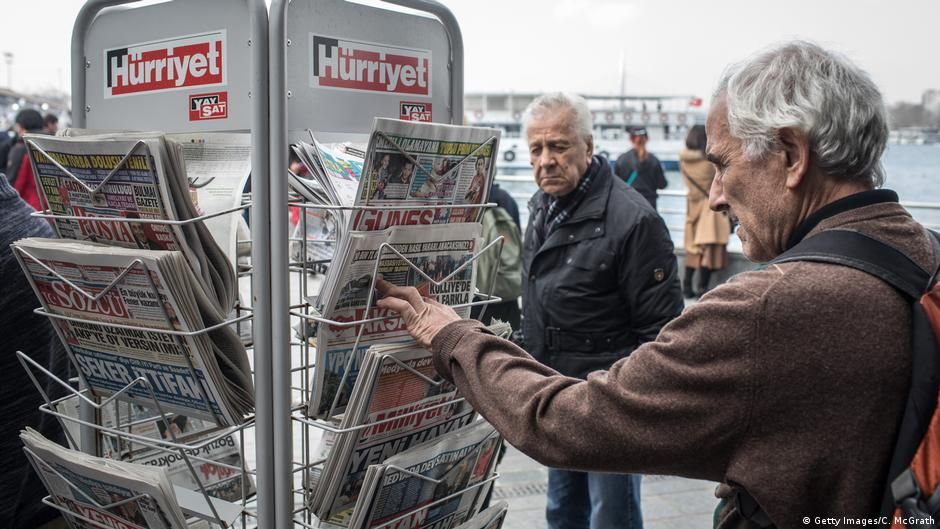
(595, 202)
(858, 200)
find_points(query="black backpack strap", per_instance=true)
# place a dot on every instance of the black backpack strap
(859, 251)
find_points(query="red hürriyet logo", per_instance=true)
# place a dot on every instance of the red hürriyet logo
(169, 64)
(358, 65)
(411, 111)
(208, 106)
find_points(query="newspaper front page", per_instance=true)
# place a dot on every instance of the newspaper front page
(437, 254)
(86, 484)
(391, 385)
(213, 461)
(146, 180)
(205, 376)
(450, 465)
(418, 164)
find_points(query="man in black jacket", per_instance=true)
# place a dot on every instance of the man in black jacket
(600, 277)
(641, 169)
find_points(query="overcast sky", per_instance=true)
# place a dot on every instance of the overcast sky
(668, 46)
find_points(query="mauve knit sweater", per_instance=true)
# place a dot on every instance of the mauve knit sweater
(788, 381)
(22, 330)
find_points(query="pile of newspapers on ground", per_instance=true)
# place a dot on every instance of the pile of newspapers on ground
(410, 452)
(142, 301)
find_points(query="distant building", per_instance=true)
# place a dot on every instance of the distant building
(931, 100)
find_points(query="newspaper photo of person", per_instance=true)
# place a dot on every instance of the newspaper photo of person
(142, 236)
(439, 182)
(478, 184)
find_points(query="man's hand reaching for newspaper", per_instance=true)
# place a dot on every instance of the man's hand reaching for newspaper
(424, 317)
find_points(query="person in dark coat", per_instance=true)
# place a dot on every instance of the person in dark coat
(599, 278)
(27, 120)
(641, 169)
(21, 491)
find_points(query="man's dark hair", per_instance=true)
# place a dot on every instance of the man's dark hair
(696, 139)
(30, 119)
(50, 119)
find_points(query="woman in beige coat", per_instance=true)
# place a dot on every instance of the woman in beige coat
(706, 231)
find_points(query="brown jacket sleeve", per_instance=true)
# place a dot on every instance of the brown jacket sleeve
(678, 405)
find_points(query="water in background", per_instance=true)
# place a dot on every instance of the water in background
(912, 170)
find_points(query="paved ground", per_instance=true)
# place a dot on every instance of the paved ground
(668, 502)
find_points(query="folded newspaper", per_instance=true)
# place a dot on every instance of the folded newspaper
(108, 492)
(395, 381)
(333, 177)
(411, 165)
(217, 464)
(435, 484)
(203, 375)
(218, 165)
(433, 255)
(490, 518)
(129, 176)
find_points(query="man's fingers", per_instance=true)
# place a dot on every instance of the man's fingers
(398, 305)
(409, 294)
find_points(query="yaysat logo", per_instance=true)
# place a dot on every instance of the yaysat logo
(169, 64)
(415, 111)
(208, 106)
(357, 65)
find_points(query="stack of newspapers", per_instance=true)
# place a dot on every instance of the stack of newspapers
(104, 491)
(217, 458)
(100, 186)
(399, 404)
(490, 518)
(414, 223)
(110, 305)
(333, 178)
(395, 381)
(437, 484)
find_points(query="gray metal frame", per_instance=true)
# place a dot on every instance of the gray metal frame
(280, 284)
(261, 217)
(273, 432)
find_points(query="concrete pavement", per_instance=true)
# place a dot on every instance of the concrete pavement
(668, 502)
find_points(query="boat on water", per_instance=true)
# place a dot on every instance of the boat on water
(666, 118)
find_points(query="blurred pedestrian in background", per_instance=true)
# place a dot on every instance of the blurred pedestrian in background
(706, 231)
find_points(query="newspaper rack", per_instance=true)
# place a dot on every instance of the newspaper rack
(258, 102)
(178, 335)
(199, 504)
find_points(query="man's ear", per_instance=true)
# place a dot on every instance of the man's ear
(590, 148)
(795, 147)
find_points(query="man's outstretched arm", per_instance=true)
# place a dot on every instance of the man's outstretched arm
(656, 411)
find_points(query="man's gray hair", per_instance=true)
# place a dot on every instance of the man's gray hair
(556, 101)
(799, 84)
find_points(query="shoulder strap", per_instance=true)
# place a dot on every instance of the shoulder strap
(631, 178)
(859, 251)
(692, 181)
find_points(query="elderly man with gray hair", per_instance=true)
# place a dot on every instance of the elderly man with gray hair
(599, 278)
(786, 384)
